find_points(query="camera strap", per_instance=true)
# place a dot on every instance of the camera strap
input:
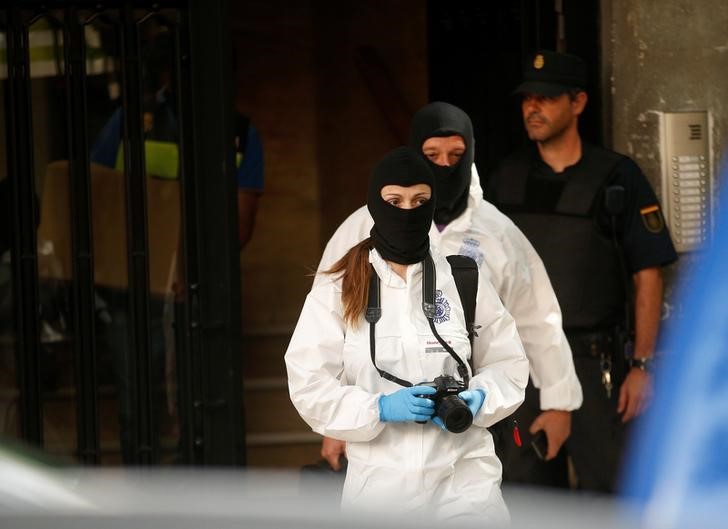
(465, 273)
(374, 313)
(429, 287)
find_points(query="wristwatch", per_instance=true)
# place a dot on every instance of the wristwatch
(644, 363)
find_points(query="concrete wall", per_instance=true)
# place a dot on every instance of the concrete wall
(276, 86)
(664, 56)
(303, 78)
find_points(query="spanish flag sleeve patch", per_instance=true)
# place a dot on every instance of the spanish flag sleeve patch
(652, 218)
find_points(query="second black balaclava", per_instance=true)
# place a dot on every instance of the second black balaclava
(452, 183)
(400, 235)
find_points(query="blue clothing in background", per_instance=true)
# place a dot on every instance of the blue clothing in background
(677, 473)
(249, 174)
(106, 146)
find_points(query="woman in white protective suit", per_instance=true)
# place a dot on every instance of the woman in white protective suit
(364, 346)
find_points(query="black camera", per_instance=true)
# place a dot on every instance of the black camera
(451, 409)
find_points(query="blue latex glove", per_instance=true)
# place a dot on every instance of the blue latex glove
(438, 422)
(474, 398)
(405, 405)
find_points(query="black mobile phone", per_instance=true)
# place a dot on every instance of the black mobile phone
(540, 444)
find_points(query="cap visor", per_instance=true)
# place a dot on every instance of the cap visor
(542, 89)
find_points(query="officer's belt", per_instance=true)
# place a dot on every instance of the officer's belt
(592, 343)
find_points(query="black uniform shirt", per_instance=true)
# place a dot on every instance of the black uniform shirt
(640, 227)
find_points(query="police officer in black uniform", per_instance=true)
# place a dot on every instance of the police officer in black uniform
(596, 223)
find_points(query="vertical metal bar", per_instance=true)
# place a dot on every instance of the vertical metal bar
(189, 361)
(24, 219)
(87, 421)
(560, 26)
(537, 25)
(605, 59)
(219, 291)
(143, 444)
(525, 29)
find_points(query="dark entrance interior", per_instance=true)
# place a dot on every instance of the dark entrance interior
(476, 51)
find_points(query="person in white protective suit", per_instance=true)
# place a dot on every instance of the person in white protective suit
(359, 381)
(465, 224)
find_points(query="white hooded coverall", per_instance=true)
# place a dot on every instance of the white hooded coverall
(509, 261)
(405, 466)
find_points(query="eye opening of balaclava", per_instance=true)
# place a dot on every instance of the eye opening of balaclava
(452, 183)
(400, 235)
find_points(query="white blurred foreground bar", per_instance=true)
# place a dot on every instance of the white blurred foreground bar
(34, 495)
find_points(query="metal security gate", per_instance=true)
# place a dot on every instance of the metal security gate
(119, 270)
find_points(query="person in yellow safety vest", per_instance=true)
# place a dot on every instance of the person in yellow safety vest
(161, 134)
(162, 160)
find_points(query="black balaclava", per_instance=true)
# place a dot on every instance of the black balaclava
(400, 235)
(452, 183)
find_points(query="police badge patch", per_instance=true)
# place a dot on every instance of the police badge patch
(442, 308)
(652, 218)
(471, 248)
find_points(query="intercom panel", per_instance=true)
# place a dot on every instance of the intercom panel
(687, 179)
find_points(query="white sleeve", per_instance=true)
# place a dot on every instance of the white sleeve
(528, 295)
(314, 362)
(349, 233)
(499, 363)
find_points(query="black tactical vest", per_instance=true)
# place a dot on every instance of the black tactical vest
(582, 263)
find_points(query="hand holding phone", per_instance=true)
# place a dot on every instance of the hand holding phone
(540, 444)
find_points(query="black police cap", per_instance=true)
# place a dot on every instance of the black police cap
(551, 74)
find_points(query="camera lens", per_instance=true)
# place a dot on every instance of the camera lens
(454, 414)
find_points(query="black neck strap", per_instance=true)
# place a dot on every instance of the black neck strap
(374, 313)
